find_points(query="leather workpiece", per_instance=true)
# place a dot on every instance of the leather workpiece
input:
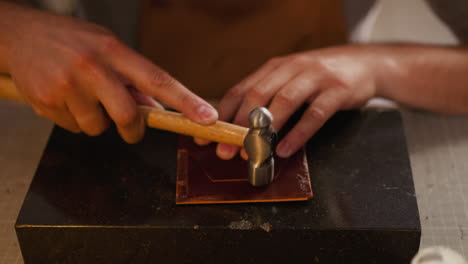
(202, 177)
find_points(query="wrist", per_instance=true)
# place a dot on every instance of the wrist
(369, 59)
(388, 69)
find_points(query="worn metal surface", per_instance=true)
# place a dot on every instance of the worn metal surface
(90, 192)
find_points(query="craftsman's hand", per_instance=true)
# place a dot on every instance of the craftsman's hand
(76, 74)
(326, 80)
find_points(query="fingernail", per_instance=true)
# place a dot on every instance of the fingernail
(225, 151)
(207, 113)
(137, 131)
(201, 142)
(283, 150)
(244, 155)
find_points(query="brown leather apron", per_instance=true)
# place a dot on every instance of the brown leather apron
(210, 45)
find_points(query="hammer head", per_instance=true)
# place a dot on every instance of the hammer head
(260, 144)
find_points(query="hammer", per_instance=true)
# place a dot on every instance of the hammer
(259, 140)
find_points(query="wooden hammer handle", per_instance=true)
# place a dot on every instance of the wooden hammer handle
(161, 119)
(8, 89)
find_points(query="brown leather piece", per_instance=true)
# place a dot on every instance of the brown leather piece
(204, 178)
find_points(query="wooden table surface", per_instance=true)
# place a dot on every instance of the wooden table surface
(438, 147)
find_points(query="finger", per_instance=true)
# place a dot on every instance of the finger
(291, 97)
(47, 104)
(89, 115)
(321, 109)
(119, 104)
(233, 98)
(264, 91)
(257, 96)
(86, 110)
(155, 82)
(201, 142)
(143, 99)
(226, 152)
(62, 118)
(264, 71)
(244, 154)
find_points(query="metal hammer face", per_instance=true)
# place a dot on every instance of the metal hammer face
(260, 144)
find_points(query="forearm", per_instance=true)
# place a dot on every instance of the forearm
(426, 77)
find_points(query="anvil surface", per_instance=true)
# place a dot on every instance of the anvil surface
(99, 200)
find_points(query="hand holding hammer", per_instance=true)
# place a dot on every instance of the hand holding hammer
(258, 140)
